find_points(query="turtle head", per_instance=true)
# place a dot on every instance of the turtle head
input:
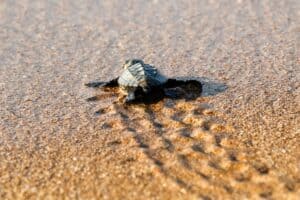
(132, 62)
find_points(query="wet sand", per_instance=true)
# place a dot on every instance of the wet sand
(239, 140)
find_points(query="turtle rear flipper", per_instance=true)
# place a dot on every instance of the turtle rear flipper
(112, 83)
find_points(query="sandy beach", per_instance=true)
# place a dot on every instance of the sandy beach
(239, 140)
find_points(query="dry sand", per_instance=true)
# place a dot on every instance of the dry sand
(239, 140)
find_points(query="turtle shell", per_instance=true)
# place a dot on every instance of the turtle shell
(143, 75)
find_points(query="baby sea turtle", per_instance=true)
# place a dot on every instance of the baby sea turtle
(140, 80)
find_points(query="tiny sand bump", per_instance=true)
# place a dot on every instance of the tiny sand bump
(217, 128)
(262, 169)
(198, 133)
(198, 148)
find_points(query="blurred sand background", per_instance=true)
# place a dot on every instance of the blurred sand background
(240, 140)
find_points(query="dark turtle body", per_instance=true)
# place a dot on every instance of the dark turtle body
(139, 80)
(138, 75)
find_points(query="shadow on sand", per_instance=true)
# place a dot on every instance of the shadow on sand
(210, 87)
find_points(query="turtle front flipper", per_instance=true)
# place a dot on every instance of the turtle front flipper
(112, 83)
(94, 84)
(171, 83)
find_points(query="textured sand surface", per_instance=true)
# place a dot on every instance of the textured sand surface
(239, 140)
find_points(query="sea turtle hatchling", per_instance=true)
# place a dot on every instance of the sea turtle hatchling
(139, 80)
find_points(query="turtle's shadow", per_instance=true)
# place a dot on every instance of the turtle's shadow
(189, 92)
(210, 87)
